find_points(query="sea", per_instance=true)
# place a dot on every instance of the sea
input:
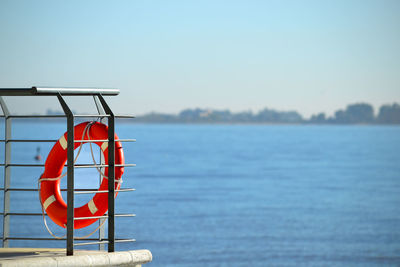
(235, 195)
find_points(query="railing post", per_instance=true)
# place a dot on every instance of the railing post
(111, 174)
(100, 110)
(7, 174)
(70, 175)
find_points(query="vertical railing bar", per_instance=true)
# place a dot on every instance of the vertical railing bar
(111, 174)
(100, 110)
(7, 173)
(70, 175)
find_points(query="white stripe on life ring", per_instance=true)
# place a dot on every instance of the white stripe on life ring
(104, 146)
(63, 142)
(48, 201)
(92, 207)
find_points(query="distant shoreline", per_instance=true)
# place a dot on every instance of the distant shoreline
(360, 113)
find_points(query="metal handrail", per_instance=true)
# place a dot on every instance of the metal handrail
(46, 91)
(104, 113)
(119, 116)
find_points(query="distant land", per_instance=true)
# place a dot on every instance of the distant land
(359, 113)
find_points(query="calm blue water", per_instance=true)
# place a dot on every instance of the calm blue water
(230, 195)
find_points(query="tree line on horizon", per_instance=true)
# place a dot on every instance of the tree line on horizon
(359, 113)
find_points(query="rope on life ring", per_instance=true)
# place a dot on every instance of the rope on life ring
(49, 183)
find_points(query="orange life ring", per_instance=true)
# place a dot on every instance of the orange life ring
(50, 194)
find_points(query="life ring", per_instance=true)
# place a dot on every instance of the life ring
(50, 194)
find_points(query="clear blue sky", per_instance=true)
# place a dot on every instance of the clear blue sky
(165, 56)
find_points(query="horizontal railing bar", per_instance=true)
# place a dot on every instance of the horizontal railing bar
(29, 140)
(76, 218)
(55, 140)
(102, 165)
(19, 189)
(33, 238)
(21, 214)
(37, 116)
(22, 165)
(58, 239)
(103, 216)
(104, 242)
(27, 116)
(124, 240)
(122, 116)
(91, 243)
(101, 191)
(16, 91)
(76, 166)
(73, 91)
(34, 90)
(80, 190)
(104, 140)
(105, 191)
(91, 115)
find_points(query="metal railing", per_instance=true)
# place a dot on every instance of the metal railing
(104, 113)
